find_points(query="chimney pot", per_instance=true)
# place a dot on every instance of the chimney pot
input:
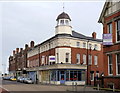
(13, 52)
(32, 44)
(26, 46)
(17, 50)
(21, 49)
(94, 35)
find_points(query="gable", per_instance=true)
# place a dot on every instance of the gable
(108, 9)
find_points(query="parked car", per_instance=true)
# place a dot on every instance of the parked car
(28, 81)
(22, 79)
(13, 78)
(7, 78)
(19, 78)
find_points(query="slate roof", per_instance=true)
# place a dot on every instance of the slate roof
(74, 35)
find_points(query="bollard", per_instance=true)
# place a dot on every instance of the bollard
(72, 86)
(113, 88)
(98, 87)
(75, 86)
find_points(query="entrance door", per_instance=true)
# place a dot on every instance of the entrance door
(62, 77)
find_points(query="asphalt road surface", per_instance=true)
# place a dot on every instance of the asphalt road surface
(21, 87)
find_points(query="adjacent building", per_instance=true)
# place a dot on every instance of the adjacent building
(110, 18)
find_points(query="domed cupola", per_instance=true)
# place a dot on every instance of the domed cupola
(63, 24)
(63, 15)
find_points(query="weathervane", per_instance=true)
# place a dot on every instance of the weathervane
(63, 7)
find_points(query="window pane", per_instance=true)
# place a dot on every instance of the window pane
(79, 76)
(110, 28)
(67, 57)
(118, 30)
(95, 60)
(71, 75)
(110, 64)
(62, 22)
(84, 59)
(92, 76)
(118, 63)
(78, 44)
(90, 59)
(78, 58)
(67, 75)
(118, 25)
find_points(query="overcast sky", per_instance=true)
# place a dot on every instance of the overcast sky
(22, 22)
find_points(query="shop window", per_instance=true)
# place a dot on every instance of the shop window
(79, 76)
(75, 76)
(71, 75)
(118, 63)
(53, 75)
(83, 76)
(118, 30)
(110, 65)
(67, 76)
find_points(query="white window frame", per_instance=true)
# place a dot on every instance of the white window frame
(117, 66)
(96, 60)
(108, 67)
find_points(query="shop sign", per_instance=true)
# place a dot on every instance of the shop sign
(107, 39)
(51, 58)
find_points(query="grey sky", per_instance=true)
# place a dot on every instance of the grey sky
(26, 21)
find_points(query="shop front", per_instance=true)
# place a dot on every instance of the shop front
(60, 74)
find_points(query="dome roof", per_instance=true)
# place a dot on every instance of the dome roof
(63, 15)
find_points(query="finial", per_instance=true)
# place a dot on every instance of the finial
(63, 7)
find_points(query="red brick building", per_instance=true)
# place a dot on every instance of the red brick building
(18, 60)
(64, 58)
(110, 18)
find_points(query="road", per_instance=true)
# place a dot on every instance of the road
(16, 86)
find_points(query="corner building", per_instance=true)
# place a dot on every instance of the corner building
(110, 18)
(66, 57)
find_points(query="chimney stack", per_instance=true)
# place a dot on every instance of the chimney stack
(17, 50)
(32, 44)
(13, 52)
(94, 35)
